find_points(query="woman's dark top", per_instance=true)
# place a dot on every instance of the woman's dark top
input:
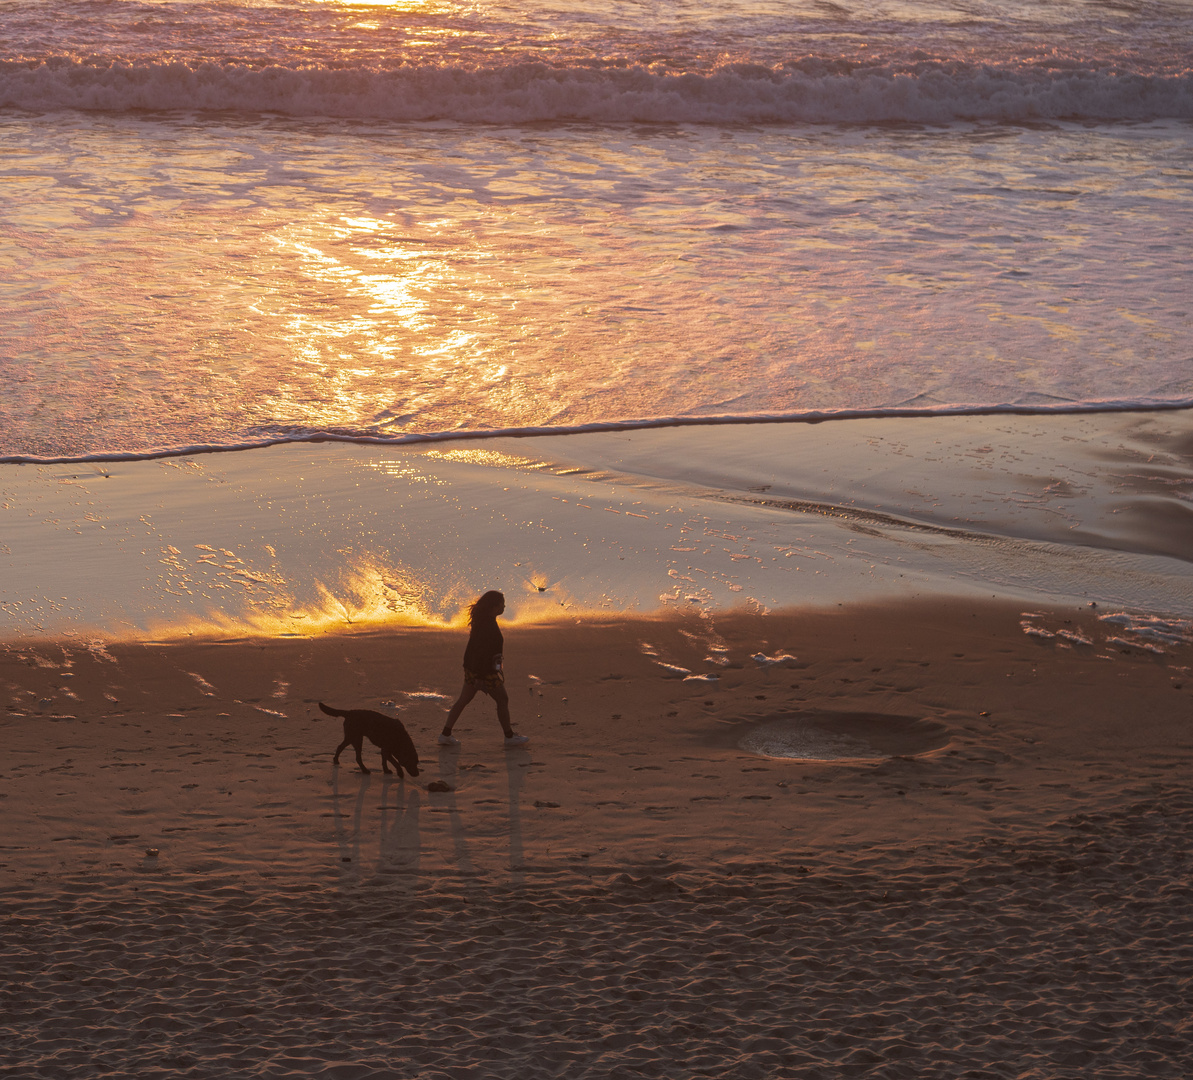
(485, 646)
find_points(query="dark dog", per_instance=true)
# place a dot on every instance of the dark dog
(382, 731)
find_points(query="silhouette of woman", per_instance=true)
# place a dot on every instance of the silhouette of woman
(482, 669)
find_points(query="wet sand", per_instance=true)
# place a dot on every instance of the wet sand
(990, 880)
(765, 516)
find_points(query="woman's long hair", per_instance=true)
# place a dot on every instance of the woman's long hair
(486, 607)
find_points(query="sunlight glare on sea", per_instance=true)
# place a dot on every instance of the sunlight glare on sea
(234, 279)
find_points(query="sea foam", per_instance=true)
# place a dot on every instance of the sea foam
(294, 434)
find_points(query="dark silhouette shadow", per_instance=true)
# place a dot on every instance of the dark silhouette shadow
(516, 764)
(400, 843)
(449, 772)
(349, 846)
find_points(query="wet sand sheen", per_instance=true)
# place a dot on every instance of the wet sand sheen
(632, 894)
(296, 538)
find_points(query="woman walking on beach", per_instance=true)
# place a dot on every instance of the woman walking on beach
(482, 669)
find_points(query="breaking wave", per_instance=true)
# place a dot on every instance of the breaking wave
(807, 91)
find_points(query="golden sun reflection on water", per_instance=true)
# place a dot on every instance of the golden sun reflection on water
(491, 458)
(366, 303)
(420, 7)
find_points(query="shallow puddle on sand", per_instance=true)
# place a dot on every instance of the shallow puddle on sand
(843, 737)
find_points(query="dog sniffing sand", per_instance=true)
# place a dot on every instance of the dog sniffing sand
(382, 731)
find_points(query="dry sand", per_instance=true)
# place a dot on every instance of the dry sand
(1001, 890)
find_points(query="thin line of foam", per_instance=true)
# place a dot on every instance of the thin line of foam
(813, 416)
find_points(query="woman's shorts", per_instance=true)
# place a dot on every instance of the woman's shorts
(489, 683)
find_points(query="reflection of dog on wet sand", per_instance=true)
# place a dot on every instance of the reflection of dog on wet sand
(382, 731)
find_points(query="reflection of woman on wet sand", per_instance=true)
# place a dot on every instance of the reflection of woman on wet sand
(482, 669)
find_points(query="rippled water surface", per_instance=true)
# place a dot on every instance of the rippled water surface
(178, 280)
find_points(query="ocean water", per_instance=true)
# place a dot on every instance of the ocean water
(226, 224)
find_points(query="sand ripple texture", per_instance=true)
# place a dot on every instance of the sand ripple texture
(1066, 954)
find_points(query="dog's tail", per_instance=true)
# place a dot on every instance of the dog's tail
(330, 711)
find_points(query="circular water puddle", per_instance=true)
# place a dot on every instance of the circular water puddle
(844, 737)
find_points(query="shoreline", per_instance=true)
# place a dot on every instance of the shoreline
(1141, 406)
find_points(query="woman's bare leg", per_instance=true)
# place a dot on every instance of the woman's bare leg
(466, 695)
(503, 710)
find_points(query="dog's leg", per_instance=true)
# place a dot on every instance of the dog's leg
(397, 764)
(385, 761)
(339, 750)
(359, 760)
